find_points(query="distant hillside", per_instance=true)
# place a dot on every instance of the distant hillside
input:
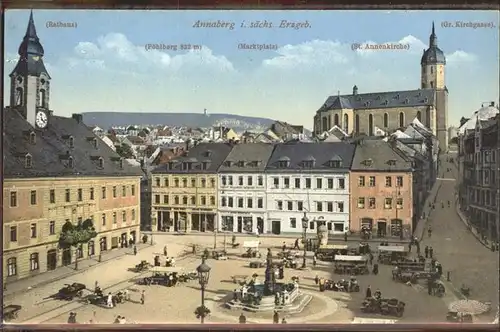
(239, 123)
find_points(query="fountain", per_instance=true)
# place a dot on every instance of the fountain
(272, 295)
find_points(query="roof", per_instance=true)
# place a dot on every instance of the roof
(330, 157)
(247, 157)
(51, 150)
(390, 99)
(378, 155)
(433, 55)
(202, 158)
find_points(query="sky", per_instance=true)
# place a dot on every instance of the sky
(103, 63)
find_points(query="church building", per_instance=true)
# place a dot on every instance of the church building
(57, 171)
(368, 113)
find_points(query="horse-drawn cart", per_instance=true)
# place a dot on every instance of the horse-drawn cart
(69, 292)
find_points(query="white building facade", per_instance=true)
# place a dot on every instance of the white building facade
(242, 189)
(309, 178)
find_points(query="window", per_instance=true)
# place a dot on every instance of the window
(184, 182)
(399, 203)
(33, 197)
(212, 200)
(13, 199)
(124, 216)
(223, 201)
(240, 180)
(319, 206)
(388, 203)
(300, 206)
(330, 183)
(165, 199)
(103, 191)
(203, 200)
(311, 225)
(341, 183)
(260, 180)
(230, 202)
(52, 196)
(279, 205)
(13, 234)
(193, 200)
(297, 183)
(203, 183)
(399, 181)
(114, 218)
(124, 191)
(157, 199)
(386, 120)
(388, 181)
(319, 183)
(329, 207)
(176, 200)
(260, 203)
(165, 182)
(157, 180)
(276, 182)
(340, 206)
(80, 195)
(33, 231)
(249, 203)
(114, 192)
(176, 182)
(91, 194)
(34, 261)
(361, 203)
(371, 203)
(212, 182)
(372, 181)
(293, 222)
(361, 181)
(67, 195)
(52, 228)
(11, 267)
(193, 183)
(133, 214)
(286, 182)
(289, 205)
(250, 181)
(308, 183)
(230, 180)
(240, 202)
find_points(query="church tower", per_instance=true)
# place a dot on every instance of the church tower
(432, 77)
(30, 81)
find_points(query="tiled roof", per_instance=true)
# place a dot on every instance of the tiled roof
(51, 150)
(248, 157)
(411, 98)
(202, 158)
(322, 157)
(378, 155)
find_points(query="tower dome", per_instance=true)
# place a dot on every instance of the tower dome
(433, 55)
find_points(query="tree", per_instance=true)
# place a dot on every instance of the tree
(74, 236)
(125, 151)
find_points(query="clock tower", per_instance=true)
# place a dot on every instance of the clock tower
(30, 81)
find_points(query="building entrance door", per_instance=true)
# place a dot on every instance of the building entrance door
(51, 259)
(66, 257)
(276, 226)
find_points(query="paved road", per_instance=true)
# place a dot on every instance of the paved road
(468, 261)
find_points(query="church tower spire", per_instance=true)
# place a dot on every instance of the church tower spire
(433, 37)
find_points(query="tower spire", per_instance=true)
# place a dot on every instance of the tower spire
(31, 30)
(433, 37)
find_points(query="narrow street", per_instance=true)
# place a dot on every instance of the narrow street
(460, 253)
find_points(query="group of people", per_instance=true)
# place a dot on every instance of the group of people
(276, 318)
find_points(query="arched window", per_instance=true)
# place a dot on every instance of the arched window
(193, 200)
(28, 162)
(176, 200)
(356, 125)
(19, 96)
(432, 85)
(32, 138)
(184, 200)
(11, 267)
(71, 142)
(101, 162)
(41, 97)
(34, 262)
(71, 162)
(432, 70)
(386, 120)
(401, 119)
(370, 125)
(346, 123)
(325, 123)
(419, 116)
(329, 121)
(336, 119)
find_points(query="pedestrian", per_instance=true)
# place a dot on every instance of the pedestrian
(123, 320)
(314, 260)
(135, 250)
(409, 246)
(369, 292)
(235, 295)
(371, 258)
(283, 321)
(72, 318)
(284, 246)
(126, 295)
(345, 236)
(431, 252)
(296, 245)
(429, 231)
(206, 253)
(143, 297)
(375, 269)
(109, 301)
(426, 251)
(316, 280)
(276, 317)
(243, 319)
(165, 251)
(117, 319)
(96, 284)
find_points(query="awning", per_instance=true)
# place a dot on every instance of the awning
(472, 307)
(346, 258)
(251, 244)
(392, 248)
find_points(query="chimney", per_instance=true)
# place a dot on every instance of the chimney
(187, 145)
(355, 90)
(492, 104)
(77, 117)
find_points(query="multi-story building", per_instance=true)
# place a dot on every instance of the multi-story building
(56, 170)
(381, 189)
(311, 178)
(184, 191)
(478, 160)
(242, 188)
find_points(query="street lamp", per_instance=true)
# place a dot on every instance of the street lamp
(304, 227)
(203, 274)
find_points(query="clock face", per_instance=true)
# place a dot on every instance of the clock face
(41, 119)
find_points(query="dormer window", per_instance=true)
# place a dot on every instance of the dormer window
(386, 102)
(397, 96)
(32, 138)
(71, 162)
(94, 142)
(120, 163)
(71, 142)
(208, 153)
(335, 163)
(391, 162)
(227, 163)
(100, 162)
(241, 164)
(284, 162)
(170, 165)
(407, 101)
(205, 165)
(28, 161)
(426, 100)
(368, 162)
(378, 98)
